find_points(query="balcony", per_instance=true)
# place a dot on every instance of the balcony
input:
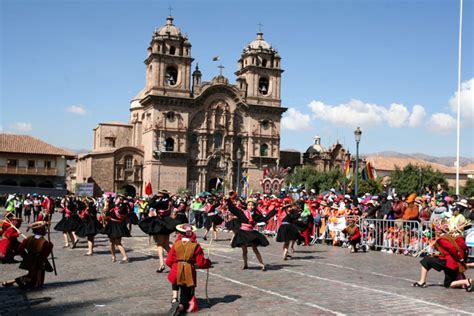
(28, 171)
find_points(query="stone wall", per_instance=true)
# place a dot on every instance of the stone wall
(103, 172)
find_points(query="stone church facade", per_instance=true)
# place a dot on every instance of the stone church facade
(186, 133)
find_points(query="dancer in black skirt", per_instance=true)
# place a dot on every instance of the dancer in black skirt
(247, 236)
(288, 233)
(213, 218)
(159, 224)
(116, 227)
(180, 212)
(70, 221)
(90, 226)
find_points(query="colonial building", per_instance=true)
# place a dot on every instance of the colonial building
(29, 165)
(326, 159)
(187, 133)
(318, 156)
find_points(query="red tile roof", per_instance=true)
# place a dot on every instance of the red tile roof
(24, 144)
(389, 164)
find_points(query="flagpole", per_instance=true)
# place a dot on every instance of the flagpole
(459, 98)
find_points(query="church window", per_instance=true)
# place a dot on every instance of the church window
(170, 116)
(169, 144)
(265, 124)
(128, 163)
(187, 52)
(171, 76)
(172, 50)
(263, 86)
(264, 150)
(110, 142)
(194, 139)
(264, 63)
(217, 141)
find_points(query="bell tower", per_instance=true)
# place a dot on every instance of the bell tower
(169, 62)
(259, 73)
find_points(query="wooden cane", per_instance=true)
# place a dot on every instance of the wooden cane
(207, 273)
(52, 255)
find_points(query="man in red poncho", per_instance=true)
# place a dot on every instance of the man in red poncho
(35, 251)
(9, 243)
(183, 255)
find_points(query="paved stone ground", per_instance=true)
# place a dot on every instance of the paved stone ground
(318, 280)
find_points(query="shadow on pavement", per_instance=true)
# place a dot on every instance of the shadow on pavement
(84, 307)
(107, 252)
(307, 257)
(49, 285)
(274, 267)
(203, 303)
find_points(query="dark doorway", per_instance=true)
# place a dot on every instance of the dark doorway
(128, 190)
(215, 185)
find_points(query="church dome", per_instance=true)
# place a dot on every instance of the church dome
(316, 148)
(259, 42)
(169, 29)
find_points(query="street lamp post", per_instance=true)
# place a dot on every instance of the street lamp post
(357, 134)
(239, 158)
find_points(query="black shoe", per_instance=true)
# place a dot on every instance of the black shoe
(174, 310)
(161, 269)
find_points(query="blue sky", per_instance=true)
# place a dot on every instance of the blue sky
(388, 66)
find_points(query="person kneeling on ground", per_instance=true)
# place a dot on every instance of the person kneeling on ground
(35, 251)
(452, 252)
(353, 232)
(183, 255)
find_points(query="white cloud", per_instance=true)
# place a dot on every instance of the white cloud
(442, 122)
(358, 113)
(76, 109)
(397, 115)
(466, 99)
(22, 127)
(417, 116)
(295, 120)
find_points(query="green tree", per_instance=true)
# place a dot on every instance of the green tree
(370, 186)
(311, 178)
(414, 178)
(468, 189)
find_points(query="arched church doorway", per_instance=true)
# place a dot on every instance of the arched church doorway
(215, 185)
(128, 190)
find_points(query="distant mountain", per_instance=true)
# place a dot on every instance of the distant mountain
(447, 161)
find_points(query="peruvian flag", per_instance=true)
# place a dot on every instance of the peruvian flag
(148, 190)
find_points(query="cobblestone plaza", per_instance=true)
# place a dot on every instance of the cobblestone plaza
(317, 280)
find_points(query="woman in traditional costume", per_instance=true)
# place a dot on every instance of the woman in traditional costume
(90, 226)
(70, 222)
(247, 236)
(288, 232)
(213, 218)
(160, 224)
(116, 228)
